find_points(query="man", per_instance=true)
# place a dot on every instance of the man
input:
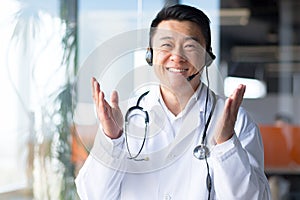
(227, 162)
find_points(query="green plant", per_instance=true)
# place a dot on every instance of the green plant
(68, 14)
(53, 169)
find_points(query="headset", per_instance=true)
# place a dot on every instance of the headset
(209, 57)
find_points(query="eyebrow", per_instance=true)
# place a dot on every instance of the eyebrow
(186, 38)
(192, 38)
(166, 38)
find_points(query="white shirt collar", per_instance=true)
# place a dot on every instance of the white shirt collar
(199, 94)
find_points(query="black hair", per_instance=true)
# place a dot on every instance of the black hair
(183, 13)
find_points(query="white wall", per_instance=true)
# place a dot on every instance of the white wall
(263, 110)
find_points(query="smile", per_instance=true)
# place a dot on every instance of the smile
(176, 70)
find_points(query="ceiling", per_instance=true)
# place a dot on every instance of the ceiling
(267, 46)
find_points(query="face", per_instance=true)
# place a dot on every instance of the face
(178, 52)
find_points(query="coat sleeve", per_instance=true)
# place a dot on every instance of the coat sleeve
(238, 164)
(103, 171)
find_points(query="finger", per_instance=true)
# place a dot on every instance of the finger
(240, 91)
(236, 93)
(234, 103)
(237, 97)
(95, 89)
(101, 105)
(228, 108)
(114, 99)
(105, 109)
(93, 80)
(240, 96)
(243, 91)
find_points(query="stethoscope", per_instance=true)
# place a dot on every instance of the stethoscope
(137, 107)
(200, 152)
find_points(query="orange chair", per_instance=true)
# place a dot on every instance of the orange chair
(82, 142)
(295, 152)
(281, 148)
(275, 148)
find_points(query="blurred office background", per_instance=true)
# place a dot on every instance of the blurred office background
(50, 49)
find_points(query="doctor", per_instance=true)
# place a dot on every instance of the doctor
(205, 147)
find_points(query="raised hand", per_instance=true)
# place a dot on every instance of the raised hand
(225, 129)
(109, 115)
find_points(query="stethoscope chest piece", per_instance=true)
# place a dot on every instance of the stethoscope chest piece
(201, 152)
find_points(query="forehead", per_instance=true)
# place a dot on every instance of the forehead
(180, 28)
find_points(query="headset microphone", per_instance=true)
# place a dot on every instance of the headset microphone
(192, 76)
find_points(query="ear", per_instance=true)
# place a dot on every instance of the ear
(149, 56)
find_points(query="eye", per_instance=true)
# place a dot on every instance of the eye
(166, 45)
(190, 46)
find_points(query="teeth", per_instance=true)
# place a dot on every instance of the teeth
(176, 70)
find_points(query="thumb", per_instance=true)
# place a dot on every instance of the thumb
(114, 99)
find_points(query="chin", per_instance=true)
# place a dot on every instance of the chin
(179, 85)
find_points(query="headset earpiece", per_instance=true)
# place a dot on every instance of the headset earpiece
(209, 58)
(149, 56)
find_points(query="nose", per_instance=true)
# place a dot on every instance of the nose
(177, 58)
(177, 55)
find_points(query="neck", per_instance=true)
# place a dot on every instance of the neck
(176, 100)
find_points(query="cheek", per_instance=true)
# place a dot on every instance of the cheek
(200, 60)
(196, 60)
(159, 57)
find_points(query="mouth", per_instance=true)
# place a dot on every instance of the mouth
(175, 70)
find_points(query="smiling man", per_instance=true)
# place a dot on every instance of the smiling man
(207, 148)
(178, 53)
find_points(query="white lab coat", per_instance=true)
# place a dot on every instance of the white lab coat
(172, 172)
